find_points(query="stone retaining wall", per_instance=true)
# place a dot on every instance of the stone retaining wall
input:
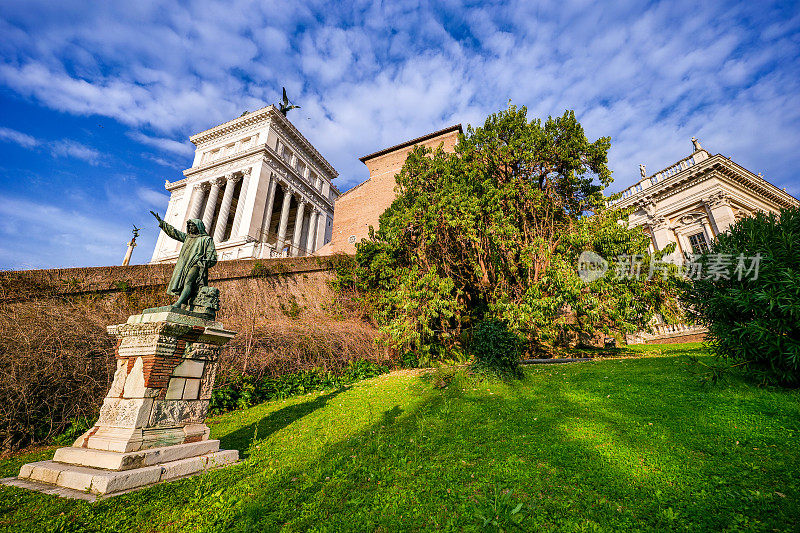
(19, 284)
(267, 287)
(669, 334)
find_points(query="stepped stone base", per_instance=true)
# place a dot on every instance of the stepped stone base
(86, 483)
(130, 460)
(99, 472)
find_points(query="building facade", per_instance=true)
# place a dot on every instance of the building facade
(361, 207)
(261, 189)
(689, 203)
(692, 201)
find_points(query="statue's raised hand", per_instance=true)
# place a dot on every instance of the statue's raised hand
(156, 215)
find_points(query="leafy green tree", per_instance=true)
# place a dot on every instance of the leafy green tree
(753, 316)
(495, 230)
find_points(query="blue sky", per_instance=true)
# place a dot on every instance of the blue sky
(98, 99)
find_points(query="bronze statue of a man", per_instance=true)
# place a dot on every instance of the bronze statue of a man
(197, 255)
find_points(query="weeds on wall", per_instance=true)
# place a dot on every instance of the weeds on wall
(292, 309)
(57, 360)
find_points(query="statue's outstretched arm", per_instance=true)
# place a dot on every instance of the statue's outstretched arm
(169, 229)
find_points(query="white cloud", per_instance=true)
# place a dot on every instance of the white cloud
(151, 197)
(22, 139)
(164, 144)
(60, 148)
(63, 237)
(67, 148)
(161, 161)
(370, 74)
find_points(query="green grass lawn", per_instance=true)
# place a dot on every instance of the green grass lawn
(621, 444)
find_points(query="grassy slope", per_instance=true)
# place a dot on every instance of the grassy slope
(629, 443)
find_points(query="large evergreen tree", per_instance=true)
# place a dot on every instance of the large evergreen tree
(495, 229)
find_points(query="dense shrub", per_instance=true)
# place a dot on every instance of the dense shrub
(755, 322)
(496, 348)
(56, 362)
(496, 229)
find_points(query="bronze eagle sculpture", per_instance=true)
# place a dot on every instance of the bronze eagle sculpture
(284, 106)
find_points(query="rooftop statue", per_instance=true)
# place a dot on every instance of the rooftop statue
(642, 171)
(284, 106)
(190, 277)
(696, 144)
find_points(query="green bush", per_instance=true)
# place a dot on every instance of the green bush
(754, 322)
(496, 348)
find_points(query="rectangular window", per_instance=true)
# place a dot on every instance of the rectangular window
(698, 243)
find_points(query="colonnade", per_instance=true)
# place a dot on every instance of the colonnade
(207, 193)
(205, 197)
(295, 246)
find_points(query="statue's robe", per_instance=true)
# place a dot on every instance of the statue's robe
(196, 248)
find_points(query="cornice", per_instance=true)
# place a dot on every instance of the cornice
(256, 118)
(294, 180)
(239, 124)
(249, 156)
(172, 185)
(739, 174)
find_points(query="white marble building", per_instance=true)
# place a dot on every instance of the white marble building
(694, 200)
(259, 186)
(689, 203)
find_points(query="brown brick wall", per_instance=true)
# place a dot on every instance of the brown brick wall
(360, 207)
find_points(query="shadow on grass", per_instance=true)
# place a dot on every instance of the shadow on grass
(561, 446)
(390, 415)
(275, 421)
(583, 464)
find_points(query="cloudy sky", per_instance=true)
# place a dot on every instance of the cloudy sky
(98, 99)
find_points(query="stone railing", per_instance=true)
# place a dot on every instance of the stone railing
(661, 175)
(663, 332)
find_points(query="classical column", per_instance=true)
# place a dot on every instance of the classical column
(269, 207)
(197, 201)
(313, 221)
(287, 198)
(211, 205)
(225, 208)
(237, 219)
(298, 227)
(320, 238)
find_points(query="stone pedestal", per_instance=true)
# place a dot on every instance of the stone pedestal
(152, 423)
